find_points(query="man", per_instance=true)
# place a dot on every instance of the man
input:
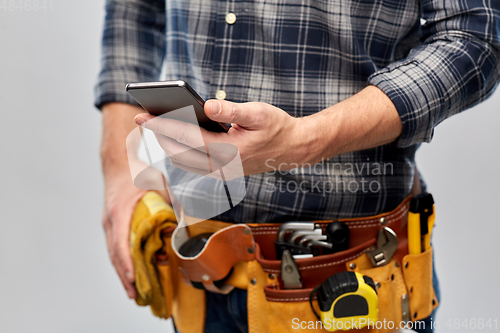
(337, 82)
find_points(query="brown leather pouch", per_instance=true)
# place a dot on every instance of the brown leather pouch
(222, 251)
(184, 302)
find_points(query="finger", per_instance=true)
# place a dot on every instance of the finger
(120, 224)
(248, 115)
(125, 273)
(220, 156)
(129, 286)
(107, 232)
(171, 146)
(182, 154)
(222, 152)
(142, 118)
(121, 245)
(216, 174)
(185, 133)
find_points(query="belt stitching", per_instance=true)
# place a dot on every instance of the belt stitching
(369, 224)
(322, 265)
(374, 222)
(287, 299)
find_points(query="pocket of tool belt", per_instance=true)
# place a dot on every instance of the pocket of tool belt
(182, 301)
(164, 266)
(417, 272)
(287, 308)
(410, 279)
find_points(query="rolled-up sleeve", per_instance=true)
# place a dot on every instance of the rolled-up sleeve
(133, 48)
(456, 66)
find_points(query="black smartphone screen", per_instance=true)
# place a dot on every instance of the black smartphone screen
(158, 98)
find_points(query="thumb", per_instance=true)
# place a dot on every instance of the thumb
(246, 115)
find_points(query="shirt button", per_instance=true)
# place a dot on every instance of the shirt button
(220, 94)
(230, 18)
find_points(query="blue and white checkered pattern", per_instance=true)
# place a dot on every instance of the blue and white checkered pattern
(433, 58)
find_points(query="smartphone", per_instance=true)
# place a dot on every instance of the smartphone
(158, 98)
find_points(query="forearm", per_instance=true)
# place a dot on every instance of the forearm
(117, 165)
(367, 119)
(117, 123)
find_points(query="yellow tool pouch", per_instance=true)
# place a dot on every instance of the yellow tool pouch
(404, 285)
(277, 310)
(157, 277)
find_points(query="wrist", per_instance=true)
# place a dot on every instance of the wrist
(319, 135)
(117, 124)
(365, 120)
(112, 163)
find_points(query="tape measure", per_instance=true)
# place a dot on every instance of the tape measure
(346, 300)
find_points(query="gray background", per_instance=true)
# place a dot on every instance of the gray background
(55, 273)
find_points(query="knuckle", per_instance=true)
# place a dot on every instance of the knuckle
(115, 245)
(182, 137)
(174, 157)
(151, 125)
(114, 259)
(176, 164)
(260, 117)
(168, 150)
(233, 113)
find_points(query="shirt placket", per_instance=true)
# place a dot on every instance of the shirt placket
(225, 54)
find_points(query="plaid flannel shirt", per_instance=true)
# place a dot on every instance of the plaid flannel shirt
(433, 58)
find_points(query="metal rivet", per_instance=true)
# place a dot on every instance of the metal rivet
(396, 264)
(253, 281)
(404, 296)
(406, 265)
(352, 265)
(288, 269)
(383, 221)
(205, 277)
(250, 250)
(272, 276)
(377, 285)
(246, 231)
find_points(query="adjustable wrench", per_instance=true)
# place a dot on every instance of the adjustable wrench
(387, 244)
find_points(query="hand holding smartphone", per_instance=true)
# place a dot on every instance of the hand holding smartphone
(191, 168)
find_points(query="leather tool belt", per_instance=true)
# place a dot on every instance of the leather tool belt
(243, 256)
